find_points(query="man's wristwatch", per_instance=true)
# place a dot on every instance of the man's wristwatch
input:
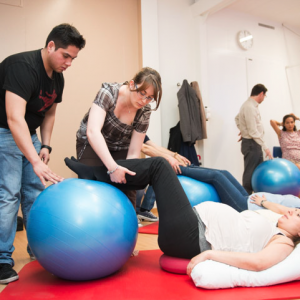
(47, 147)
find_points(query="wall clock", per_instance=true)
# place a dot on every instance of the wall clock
(245, 39)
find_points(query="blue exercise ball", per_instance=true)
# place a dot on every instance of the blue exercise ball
(198, 191)
(276, 176)
(82, 229)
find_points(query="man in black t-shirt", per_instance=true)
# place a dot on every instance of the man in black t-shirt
(31, 85)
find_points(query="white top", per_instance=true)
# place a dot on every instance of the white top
(270, 215)
(229, 230)
(248, 120)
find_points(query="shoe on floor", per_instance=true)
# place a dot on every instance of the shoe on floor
(7, 273)
(147, 216)
(139, 223)
(20, 223)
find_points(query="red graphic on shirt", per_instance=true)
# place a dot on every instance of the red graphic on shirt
(48, 99)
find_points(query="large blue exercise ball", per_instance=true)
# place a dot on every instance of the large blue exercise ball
(82, 229)
(276, 176)
(198, 191)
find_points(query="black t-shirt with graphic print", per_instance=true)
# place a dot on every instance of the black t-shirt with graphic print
(24, 75)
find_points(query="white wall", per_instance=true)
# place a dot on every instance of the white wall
(292, 42)
(177, 54)
(176, 35)
(232, 74)
(206, 50)
(150, 57)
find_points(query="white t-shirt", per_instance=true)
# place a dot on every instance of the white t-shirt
(229, 230)
(270, 215)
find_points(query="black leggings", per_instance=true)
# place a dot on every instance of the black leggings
(87, 156)
(178, 224)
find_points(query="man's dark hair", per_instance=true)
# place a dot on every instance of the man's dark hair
(64, 35)
(257, 89)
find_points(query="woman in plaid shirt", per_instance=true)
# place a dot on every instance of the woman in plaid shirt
(116, 124)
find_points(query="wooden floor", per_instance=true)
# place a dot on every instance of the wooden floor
(21, 258)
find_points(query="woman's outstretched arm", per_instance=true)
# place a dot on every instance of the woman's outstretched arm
(276, 251)
(175, 160)
(275, 207)
(99, 173)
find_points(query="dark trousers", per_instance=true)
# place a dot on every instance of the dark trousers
(253, 156)
(178, 223)
(87, 156)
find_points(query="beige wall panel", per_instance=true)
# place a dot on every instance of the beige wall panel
(112, 54)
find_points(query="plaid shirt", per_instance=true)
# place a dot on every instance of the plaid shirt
(116, 134)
